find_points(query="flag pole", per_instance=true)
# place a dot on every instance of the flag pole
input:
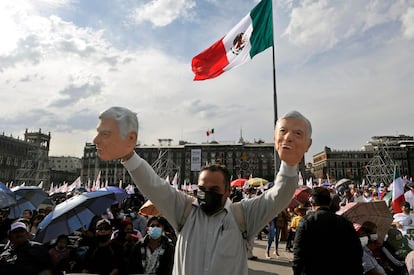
(277, 159)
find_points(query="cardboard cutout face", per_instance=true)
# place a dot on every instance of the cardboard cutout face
(291, 140)
(109, 142)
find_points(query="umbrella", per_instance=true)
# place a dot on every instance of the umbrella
(257, 181)
(73, 214)
(238, 183)
(301, 196)
(376, 212)
(269, 185)
(7, 197)
(149, 209)
(120, 194)
(27, 197)
(342, 182)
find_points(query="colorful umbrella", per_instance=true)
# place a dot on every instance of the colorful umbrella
(257, 182)
(73, 214)
(238, 183)
(301, 196)
(376, 212)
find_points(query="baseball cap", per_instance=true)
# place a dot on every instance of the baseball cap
(103, 225)
(17, 225)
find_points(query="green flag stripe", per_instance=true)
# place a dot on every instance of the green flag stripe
(262, 20)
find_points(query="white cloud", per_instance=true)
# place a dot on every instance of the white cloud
(163, 12)
(313, 25)
(339, 62)
(407, 20)
(320, 25)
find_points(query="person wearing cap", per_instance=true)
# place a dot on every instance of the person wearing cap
(210, 240)
(404, 221)
(300, 212)
(324, 240)
(105, 257)
(22, 256)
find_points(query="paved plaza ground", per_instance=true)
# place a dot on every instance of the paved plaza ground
(276, 265)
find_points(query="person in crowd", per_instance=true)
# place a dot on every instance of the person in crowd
(126, 236)
(5, 223)
(275, 227)
(210, 240)
(36, 220)
(348, 197)
(409, 263)
(397, 246)
(358, 197)
(368, 238)
(367, 196)
(117, 216)
(323, 240)
(404, 221)
(334, 205)
(22, 256)
(154, 254)
(139, 222)
(300, 212)
(61, 256)
(168, 230)
(105, 257)
(283, 221)
(27, 214)
(384, 257)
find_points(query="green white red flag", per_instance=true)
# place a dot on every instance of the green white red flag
(252, 35)
(397, 192)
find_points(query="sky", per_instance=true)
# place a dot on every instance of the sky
(346, 65)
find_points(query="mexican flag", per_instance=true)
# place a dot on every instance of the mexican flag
(252, 35)
(397, 192)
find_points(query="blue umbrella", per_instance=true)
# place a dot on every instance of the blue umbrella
(120, 194)
(72, 214)
(27, 197)
(7, 197)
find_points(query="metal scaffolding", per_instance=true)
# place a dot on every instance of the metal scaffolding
(380, 169)
(35, 168)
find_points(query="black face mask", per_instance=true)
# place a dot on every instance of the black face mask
(103, 238)
(209, 201)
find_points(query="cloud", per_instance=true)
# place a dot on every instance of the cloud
(313, 24)
(74, 93)
(407, 20)
(319, 26)
(163, 12)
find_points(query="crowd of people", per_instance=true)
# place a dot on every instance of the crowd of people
(115, 243)
(213, 231)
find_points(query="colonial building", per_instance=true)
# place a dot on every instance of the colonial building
(185, 160)
(361, 164)
(25, 160)
(64, 168)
